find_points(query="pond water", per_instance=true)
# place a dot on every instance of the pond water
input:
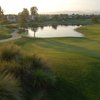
(54, 31)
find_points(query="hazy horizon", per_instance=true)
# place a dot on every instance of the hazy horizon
(46, 6)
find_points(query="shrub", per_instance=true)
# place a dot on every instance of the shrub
(9, 88)
(31, 71)
(43, 79)
(94, 20)
(34, 62)
(35, 74)
(10, 67)
(10, 52)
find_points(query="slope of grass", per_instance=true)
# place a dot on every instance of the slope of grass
(77, 60)
(5, 32)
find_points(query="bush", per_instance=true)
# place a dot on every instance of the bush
(9, 88)
(43, 79)
(36, 71)
(94, 20)
(31, 71)
(9, 53)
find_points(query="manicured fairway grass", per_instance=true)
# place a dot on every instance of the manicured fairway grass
(77, 60)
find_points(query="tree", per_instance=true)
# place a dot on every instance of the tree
(21, 20)
(94, 19)
(1, 16)
(34, 29)
(34, 13)
(23, 17)
(25, 12)
(34, 10)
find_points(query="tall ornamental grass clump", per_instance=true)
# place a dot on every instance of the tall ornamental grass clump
(32, 72)
(9, 88)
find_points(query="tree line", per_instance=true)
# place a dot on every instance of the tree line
(27, 17)
(23, 16)
(2, 16)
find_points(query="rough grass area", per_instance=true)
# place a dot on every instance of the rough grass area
(5, 32)
(22, 76)
(76, 60)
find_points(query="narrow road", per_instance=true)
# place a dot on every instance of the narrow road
(15, 36)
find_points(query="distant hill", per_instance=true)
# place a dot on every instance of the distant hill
(75, 12)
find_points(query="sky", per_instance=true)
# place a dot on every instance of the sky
(45, 6)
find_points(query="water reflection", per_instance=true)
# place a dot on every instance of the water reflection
(53, 31)
(41, 27)
(54, 26)
(34, 29)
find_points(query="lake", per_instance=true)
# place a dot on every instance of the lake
(54, 31)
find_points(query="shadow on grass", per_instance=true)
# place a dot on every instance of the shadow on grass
(91, 82)
(62, 90)
(65, 91)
